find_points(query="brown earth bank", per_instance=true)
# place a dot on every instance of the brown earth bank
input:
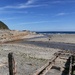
(12, 35)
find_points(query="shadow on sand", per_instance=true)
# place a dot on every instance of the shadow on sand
(66, 69)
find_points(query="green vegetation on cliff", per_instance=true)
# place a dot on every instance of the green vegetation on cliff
(3, 26)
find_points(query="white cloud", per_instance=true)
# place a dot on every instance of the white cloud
(38, 22)
(64, 13)
(10, 18)
(61, 14)
(28, 4)
(33, 3)
(10, 12)
(60, 2)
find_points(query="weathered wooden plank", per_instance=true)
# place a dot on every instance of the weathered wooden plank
(47, 66)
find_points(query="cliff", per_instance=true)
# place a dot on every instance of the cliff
(3, 26)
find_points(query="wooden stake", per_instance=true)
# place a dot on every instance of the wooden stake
(11, 63)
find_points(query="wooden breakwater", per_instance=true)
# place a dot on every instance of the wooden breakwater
(46, 67)
(72, 65)
(70, 69)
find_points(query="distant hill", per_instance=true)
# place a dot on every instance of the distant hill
(3, 26)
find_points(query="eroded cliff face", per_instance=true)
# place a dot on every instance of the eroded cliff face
(11, 35)
(3, 26)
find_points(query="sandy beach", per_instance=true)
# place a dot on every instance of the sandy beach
(37, 37)
(33, 51)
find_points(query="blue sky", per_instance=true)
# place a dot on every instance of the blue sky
(38, 15)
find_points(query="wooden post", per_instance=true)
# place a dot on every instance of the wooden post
(70, 68)
(11, 63)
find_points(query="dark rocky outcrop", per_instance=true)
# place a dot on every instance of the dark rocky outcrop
(3, 26)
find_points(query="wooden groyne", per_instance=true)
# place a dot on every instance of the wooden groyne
(44, 69)
(68, 56)
(72, 65)
(61, 54)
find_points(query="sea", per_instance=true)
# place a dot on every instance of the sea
(56, 32)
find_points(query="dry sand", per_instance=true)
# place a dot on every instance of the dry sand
(66, 38)
(28, 58)
(31, 53)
